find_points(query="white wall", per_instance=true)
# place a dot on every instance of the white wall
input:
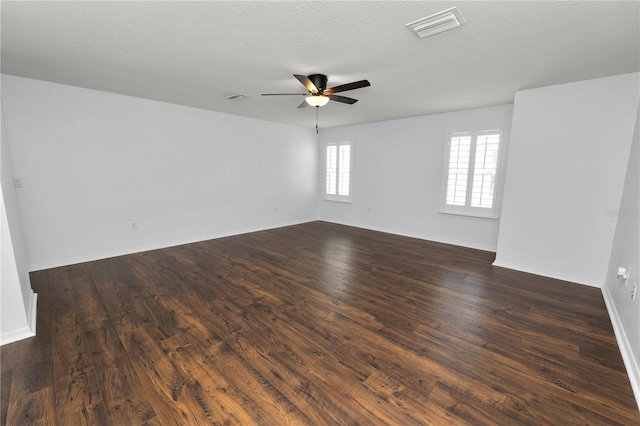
(92, 163)
(624, 312)
(397, 183)
(17, 300)
(566, 167)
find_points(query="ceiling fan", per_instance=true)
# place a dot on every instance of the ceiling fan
(318, 95)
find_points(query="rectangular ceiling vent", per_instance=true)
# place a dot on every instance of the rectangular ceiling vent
(437, 23)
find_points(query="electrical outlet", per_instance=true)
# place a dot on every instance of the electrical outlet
(634, 291)
(134, 226)
(17, 183)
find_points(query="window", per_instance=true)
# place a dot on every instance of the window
(338, 178)
(472, 163)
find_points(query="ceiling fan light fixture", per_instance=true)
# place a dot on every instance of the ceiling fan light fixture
(317, 100)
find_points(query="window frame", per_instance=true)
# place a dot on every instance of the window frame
(467, 209)
(336, 196)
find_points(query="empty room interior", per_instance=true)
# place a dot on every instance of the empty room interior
(317, 212)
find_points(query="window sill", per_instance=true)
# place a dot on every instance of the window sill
(469, 215)
(339, 200)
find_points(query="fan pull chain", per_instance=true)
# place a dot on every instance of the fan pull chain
(317, 108)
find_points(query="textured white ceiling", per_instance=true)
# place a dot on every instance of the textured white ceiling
(196, 53)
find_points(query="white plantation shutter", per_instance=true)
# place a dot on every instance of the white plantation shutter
(332, 169)
(338, 177)
(345, 170)
(484, 171)
(458, 170)
(472, 161)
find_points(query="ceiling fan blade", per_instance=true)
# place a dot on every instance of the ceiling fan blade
(285, 94)
(349, 86)
(304, 104)
(342, 99)
(307, 83)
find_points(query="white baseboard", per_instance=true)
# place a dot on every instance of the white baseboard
(466, 244)
(15, 335)
(623, 343)
(98, 256)
(24, 332)
(33, 312)
(549, 274)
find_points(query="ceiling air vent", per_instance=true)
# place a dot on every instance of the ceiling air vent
(235, 96)
(437, 23)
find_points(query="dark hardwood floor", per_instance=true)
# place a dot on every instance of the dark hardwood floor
(314, 324)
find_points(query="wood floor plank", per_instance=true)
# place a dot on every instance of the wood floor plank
(465, 409)
(314, 324)
(6, 376)
(78, 395)
(36, 408)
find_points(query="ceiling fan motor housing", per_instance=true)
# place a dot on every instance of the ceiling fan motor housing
(319, 80)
